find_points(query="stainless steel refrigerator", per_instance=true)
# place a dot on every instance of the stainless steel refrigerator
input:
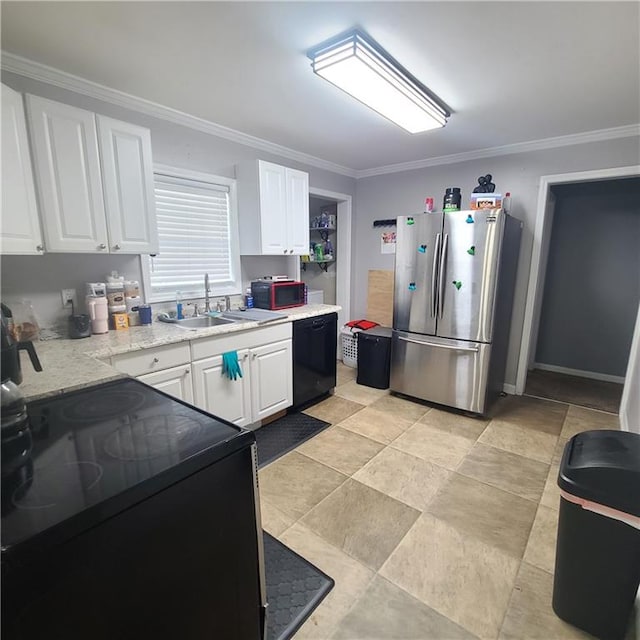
(454, 284)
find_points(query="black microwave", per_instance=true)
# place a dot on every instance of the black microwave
(275, 295)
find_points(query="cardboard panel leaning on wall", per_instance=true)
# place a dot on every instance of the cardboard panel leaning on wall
(389, 195)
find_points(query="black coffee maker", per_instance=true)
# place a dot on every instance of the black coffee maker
(10, 347)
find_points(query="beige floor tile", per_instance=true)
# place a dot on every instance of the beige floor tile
(507, 471)
(430, 443)
(580, 419)
(404, 477)
(520, 440)
(274, 520)
(334, 409)
(454, 573)
(533, 413)
(551, 493)
(387, 612)
(401, 407)
(530, 615)
(350, 576)
(295, 483)
(365, 523)
(360, 393)
(341, 449)
(452, 422)
(377, 425)
(344, 374)
(493, 516)
(541, 549)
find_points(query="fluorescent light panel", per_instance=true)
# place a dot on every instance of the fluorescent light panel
(361, 68)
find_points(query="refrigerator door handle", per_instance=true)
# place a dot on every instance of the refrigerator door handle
(438, 345)
(434, 276)
(441, 274)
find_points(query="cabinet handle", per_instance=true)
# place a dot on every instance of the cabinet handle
(40, 248)
(102, 246)
(116, 247)
(186, 371)
(245, 356)
(285, 251)
(290, 250)
(155, 360)
(254, 356)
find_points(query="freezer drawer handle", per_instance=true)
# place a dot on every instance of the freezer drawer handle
(439, 346)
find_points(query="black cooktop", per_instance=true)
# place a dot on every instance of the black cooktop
(99, 450)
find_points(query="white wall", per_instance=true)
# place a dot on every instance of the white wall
(387, 196)
(40, 278)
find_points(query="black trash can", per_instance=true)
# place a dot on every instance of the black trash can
(598, 546)
(374, 357)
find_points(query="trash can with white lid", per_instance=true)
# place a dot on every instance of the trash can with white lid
(597, 569)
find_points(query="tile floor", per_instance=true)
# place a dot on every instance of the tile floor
(432, 524)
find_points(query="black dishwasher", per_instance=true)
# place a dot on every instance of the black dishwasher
(314, 357)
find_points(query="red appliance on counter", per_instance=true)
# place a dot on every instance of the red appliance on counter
(274, 294)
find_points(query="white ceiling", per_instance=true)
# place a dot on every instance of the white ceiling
(512, 72)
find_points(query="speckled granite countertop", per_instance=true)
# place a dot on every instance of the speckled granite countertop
(73, 364)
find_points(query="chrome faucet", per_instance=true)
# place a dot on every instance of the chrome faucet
(207, 304)
(227, 303)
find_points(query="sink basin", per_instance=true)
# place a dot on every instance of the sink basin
(201, 322)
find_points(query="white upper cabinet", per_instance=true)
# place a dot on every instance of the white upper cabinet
(127, 175)
(273, 204)
(68, 176)
(19, 226)
(95, 180)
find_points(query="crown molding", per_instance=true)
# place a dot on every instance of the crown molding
(628, 131)
(43, 73)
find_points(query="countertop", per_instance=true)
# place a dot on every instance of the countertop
(72, 364)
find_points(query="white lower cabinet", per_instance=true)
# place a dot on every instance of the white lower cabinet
(271, 379)
(177, 382)
(215, 393)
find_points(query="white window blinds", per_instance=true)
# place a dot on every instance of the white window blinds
(195, 231)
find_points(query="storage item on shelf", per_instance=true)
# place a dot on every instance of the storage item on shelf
(120, 321)
(144, 311)
(96, 289)
(131, 288)
(486, 200)
(452, 199)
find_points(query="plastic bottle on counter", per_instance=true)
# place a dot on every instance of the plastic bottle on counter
(248, 299)
(452, 199)
(506, 202)
(179, 314)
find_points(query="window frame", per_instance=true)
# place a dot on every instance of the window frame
(232, 288)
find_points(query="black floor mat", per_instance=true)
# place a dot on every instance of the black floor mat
(286, 433)
(294, 589)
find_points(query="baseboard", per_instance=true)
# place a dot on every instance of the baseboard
(509, 389)
(592, 375)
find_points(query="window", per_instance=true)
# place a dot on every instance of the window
(198, 234)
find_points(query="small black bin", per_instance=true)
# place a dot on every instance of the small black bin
(598, 546)
(374, 357)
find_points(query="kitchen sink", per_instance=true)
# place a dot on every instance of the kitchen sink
(200, 322)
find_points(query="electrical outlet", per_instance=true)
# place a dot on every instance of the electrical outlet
(68, 296)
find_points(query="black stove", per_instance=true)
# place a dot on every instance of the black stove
(97, 451)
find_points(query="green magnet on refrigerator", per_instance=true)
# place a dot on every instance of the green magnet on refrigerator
(469, 219)
(471, 250)
(457, 284)
(412, 286)
(422, 248)
(410, 221)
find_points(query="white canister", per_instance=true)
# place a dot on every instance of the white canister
(131, 289)
(132, 303)
(115, 294)
(98, 310)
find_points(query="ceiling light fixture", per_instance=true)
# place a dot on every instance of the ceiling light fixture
(357, 64)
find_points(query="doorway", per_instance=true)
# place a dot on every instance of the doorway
(584, 288)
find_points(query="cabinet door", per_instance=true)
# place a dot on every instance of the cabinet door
(271, 386)
(215, 393)
(68, 179)
(273, 208)
(297, 212)
(175, 381)
(127, 175)
(19, 227)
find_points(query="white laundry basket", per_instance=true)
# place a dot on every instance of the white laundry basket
(349, 338)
